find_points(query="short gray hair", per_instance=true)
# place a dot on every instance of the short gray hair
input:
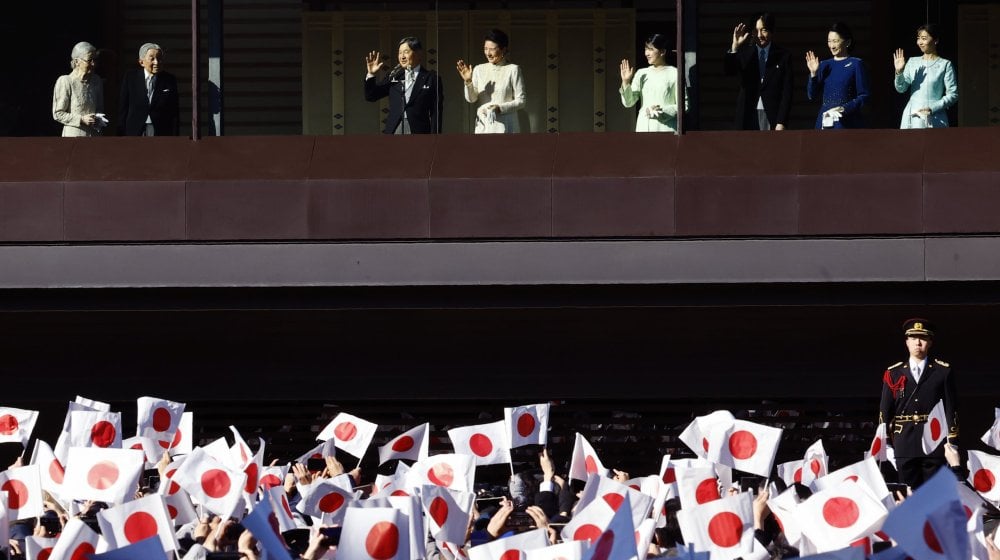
(146, 47)
(80, 50)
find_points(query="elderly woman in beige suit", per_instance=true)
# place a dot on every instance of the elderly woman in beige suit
(78, 98)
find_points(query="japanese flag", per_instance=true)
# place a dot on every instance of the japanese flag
(668, 475)
(615, 494)
(849, 553)
(38, 548)
(791, 472)
(527, 424)
(486, 443)
(16, 425)
(272, 476)
(81, 404)
(76, 542)
(24, 492)
(814, 463)
(138, 520)
(644, 534)
(324, 449)
(696, 434)
(570, 550)
(89, 428)
(984, 472)
(724, 527)
(450, 470)
(447, 512)
(585, 461)
(618, 540)
(374, 534)
(104, 475)
(992, 436)
(837, 516)
(5, 520)
(412, 445)
(588, 522)
(148, 549)
(241, 453)
(325, 499)
(350, 433)
(697, 485)
(510, 548)
(936, 428)
(263, 524)
(158, 419)
(412, 515)
(783, 506)
(282, 509)
(931, 523)
(207, 480)
(745, 446)
(394, 485)
(50, 470)
(877, 450)
(150, 449)
(865, 472)
(179, 506)
(183, 440)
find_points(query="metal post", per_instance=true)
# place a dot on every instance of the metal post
(195, 95)
(680, 66)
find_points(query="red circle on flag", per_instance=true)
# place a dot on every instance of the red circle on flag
(968, 512)
(441, 474)
(269, 481)
(45, 553)
(852, 478)
(8, 425)
(614, 500)
(82, 552)
(725, 529)
(481, 445)
(382, 541)
(172, 511)
(742, 444)
(215, 483)
(345, 431)
(876, 446)
(815, 466)
(163, 444)
(935, 428)
(439, 510)
(526, 424)
(139, 526)
(177, 439)
(399, 493)
(930, 539)
(174, 487)
(103, 475)
(603, 546)
(402, 444)
(286, 506)
(161, 419)
(669, 476)
(591, 464)
(252, 473)
(707, 491)
(17, 493)
(841, 512)
(56, 471)
(704, 444)
(797, 477)
(587, 532)
(512, 554)
(103, 434)
(983, 480)
(331, 502)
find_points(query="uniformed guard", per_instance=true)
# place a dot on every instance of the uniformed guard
(910, 390)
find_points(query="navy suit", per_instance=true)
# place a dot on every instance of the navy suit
(423, 110)
(134, 105)
(775, 90)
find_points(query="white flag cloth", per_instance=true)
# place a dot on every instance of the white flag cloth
(326, 500)
(261, 523)
(50, 470)
(791, 472)
(158, 419)
(5, 521)
(571, 550)
(668, 475)
(272, 476)
(63, 443)
(814, 464)
(527, 424)
(38, 548)
(614, 494)
(151, 450)
(589, 522)
(880, 444)
(618, 540)
(179, 506)
(837, 516)
(322, 449)
(486, 443)
(16, 425)
(697, 485)
(90, 428)
(214, 485)
(865, 472)
(76, 541)
(992, 435)
(447, 512)
(374, 534)
(183, 441)
(510, 548)
(696, 434)
(936, 428)
(849, 553)
(745, 446)
(411, 445)
(783, 508)
(350, 433)
(138, 520)
(281, 508)
(724, 527)
(931, 524)
(451, 470)
(410, 519)
(585, 461)
(984, 472)
(104, 475)
(24, 492)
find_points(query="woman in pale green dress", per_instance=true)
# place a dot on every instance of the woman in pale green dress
(655, 86)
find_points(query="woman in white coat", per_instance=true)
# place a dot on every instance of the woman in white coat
(497, 87)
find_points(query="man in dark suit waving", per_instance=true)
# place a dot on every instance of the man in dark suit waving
(765, 71)
(414, 92)
(148, 102)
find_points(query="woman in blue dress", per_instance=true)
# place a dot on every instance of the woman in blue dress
(841, 82)
(930, 80)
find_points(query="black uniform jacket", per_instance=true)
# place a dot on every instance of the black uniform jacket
(903, 396)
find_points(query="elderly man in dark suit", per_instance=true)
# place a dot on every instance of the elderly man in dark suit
(414, 92)
(765, 71)
(148, 104)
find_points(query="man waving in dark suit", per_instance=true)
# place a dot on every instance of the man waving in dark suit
(414, 92)
(765, 71)
(148, 102)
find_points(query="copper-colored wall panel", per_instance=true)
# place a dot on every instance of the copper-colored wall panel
(753, 205)
(251, 157)
(962, 202)
(863, 151)
(36, 159)
(124, 210)
(372, 156)
(31, 211)
(629, 206)
(858, 204)
(739, 153)
(247, 210)
(494, 155)
(615, 154)
(962, 150)
(157, 158)
(491, 207)
(368, 209)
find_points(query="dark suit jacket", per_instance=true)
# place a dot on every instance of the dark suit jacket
(775, 90)
(937, 382)
(134, 106)
(423, 111)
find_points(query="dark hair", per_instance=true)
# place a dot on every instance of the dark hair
(767, 18)
(659, 41)
(411, 42)
(499, 37)
(842, 29)
(931, 28)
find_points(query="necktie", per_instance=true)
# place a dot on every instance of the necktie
(409, 82)
(763, 62)
(149, 88)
